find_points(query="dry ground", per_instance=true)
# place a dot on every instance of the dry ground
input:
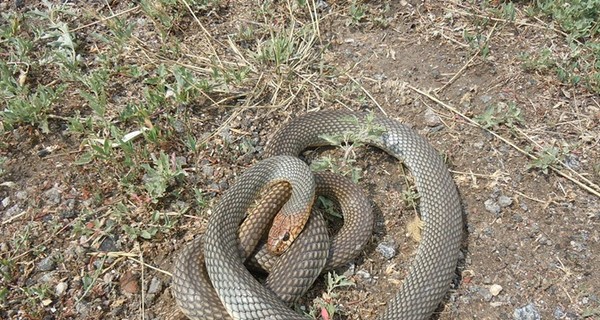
(90, 222)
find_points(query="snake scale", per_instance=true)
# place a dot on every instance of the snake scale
(243, 297)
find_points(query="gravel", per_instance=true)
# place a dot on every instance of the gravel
(528, 312)
(431, 119)
(53, 195)
(388, 249)
(46, 264)
(61, 288)
(492, 206)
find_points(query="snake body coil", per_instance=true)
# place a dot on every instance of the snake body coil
(432, 268)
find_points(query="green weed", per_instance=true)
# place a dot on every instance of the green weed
(367, 131)
(547, 158)
(161, 175)
(2, 161)
(382, 19)
(326, 301)
(505, 11)
(26, 101)
(278, 50)
(478, 42)
(186, 87)
(25, 106)
(328, 207)
(590, 312)
(538, 61)
(7, 267)
(508, 114)
(3, 296)
(358, 12)
(410, 197)
(580, 21)
(579, 18)
(39, 294)
(344, 167)
(89, 280)
(158, 222)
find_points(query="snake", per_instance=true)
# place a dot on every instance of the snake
(238, 295)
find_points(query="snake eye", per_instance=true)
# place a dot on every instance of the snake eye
(286, 237)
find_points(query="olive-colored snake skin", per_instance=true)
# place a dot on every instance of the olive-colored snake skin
(432, 268)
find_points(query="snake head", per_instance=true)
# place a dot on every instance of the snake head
(284, 231)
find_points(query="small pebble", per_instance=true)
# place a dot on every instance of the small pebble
(48, 277)
(558, 313)
(47, 264)
(492, 206)
(44, 152)
(387, 249)
(108, 245)
(485, 98)
(12, 211)
(83, 309)
(70, 204)
(572, 162)
(504, 201)
(487, 297)
(528, 312)
(495, 289)
(489, 232)
(542, 239)
(578, 246)
(155, 286)
(68, 214)
(322, 5)
(178, 126)
(225, 133)
(52, 195)
(478, 145)
(496, 193)
(207, 170)
(350, 271)
(213, 186)
(6, 202)
(223, 185)
(21, 195)
(379, 76)
(61, 288)
(431, 118)
(363, 274)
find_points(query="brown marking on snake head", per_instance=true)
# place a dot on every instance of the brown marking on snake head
(283, 232)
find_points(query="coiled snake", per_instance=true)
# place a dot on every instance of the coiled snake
(432, 268)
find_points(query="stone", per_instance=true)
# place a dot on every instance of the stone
(46, 264)
(528, 312)
(495, 289)
(387, 249)
(492, 206)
